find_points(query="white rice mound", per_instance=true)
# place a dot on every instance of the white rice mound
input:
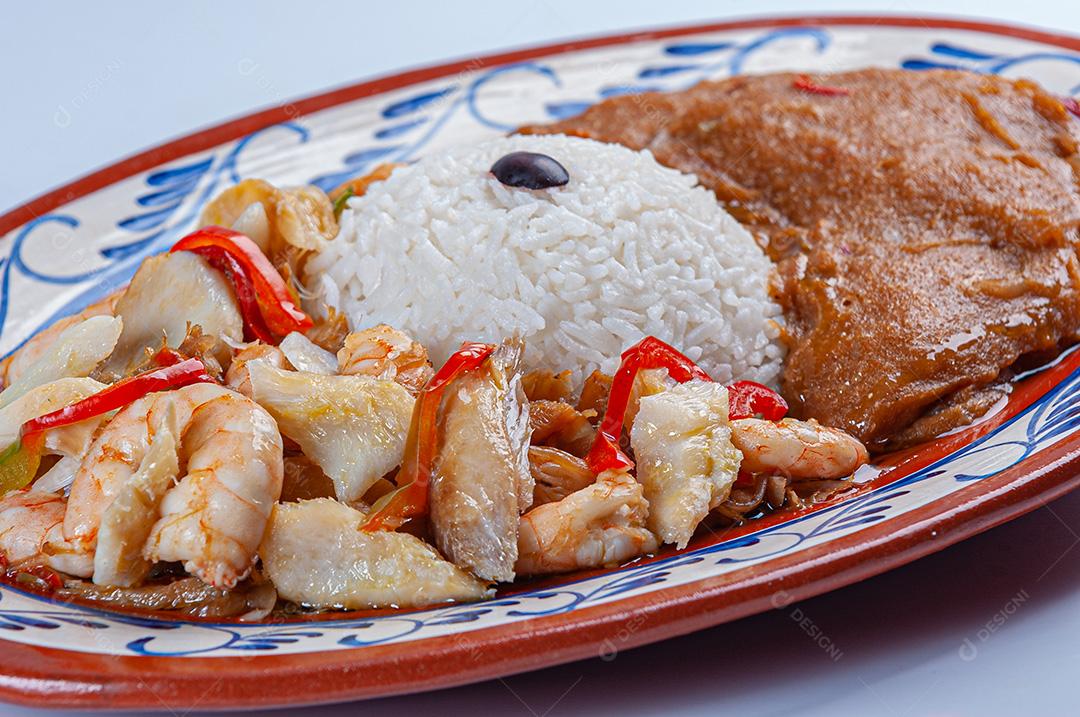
(628, 248)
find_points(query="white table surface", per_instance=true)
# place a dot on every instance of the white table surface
(990, 626)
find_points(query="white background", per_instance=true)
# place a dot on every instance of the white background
(83, 84)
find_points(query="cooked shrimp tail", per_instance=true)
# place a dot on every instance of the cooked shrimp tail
(601, 524)
(386, 353)
(797, 449)
(127, 522)
(214, 519)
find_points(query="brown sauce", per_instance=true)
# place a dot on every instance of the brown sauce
(925, 228)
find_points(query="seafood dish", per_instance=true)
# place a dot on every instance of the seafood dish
(573, 347)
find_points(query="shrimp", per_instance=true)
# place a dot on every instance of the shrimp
(214, 519)
(384, 352)
(60, 554)
(602, 524)
(797, 449)
(117, 452)
(127, 522)
(31, 523)
(41, 343)
(26, 517)
(238, 377)
(556, 473)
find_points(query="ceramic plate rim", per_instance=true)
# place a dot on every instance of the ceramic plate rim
(40, 676)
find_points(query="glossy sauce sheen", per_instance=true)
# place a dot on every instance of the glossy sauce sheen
(924, 225)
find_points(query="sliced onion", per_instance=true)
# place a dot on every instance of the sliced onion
(76, 352)
(59, 477)
(191, 596)
(744, 499)
(776, 490)
(818, 491)
(306, 356)
(254, 224)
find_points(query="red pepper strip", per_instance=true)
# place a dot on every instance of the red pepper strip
(605, 453)
(649, 353)
(745, 398)
(654, 353)
(805, 84)
(122, 393)
(748, 398)
(19, 462)
(249, 270)
(254, 324)
(167, 357)
(410, 500)
(1072, 105)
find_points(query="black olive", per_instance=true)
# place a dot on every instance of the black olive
(530, 170)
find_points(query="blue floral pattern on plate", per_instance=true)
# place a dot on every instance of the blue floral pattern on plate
(37, 286)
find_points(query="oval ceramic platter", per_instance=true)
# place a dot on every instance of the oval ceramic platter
(64, 250)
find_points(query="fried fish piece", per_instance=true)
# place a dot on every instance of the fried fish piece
(316, 554)
(481, 481)
(352, 427)
(685, 459)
